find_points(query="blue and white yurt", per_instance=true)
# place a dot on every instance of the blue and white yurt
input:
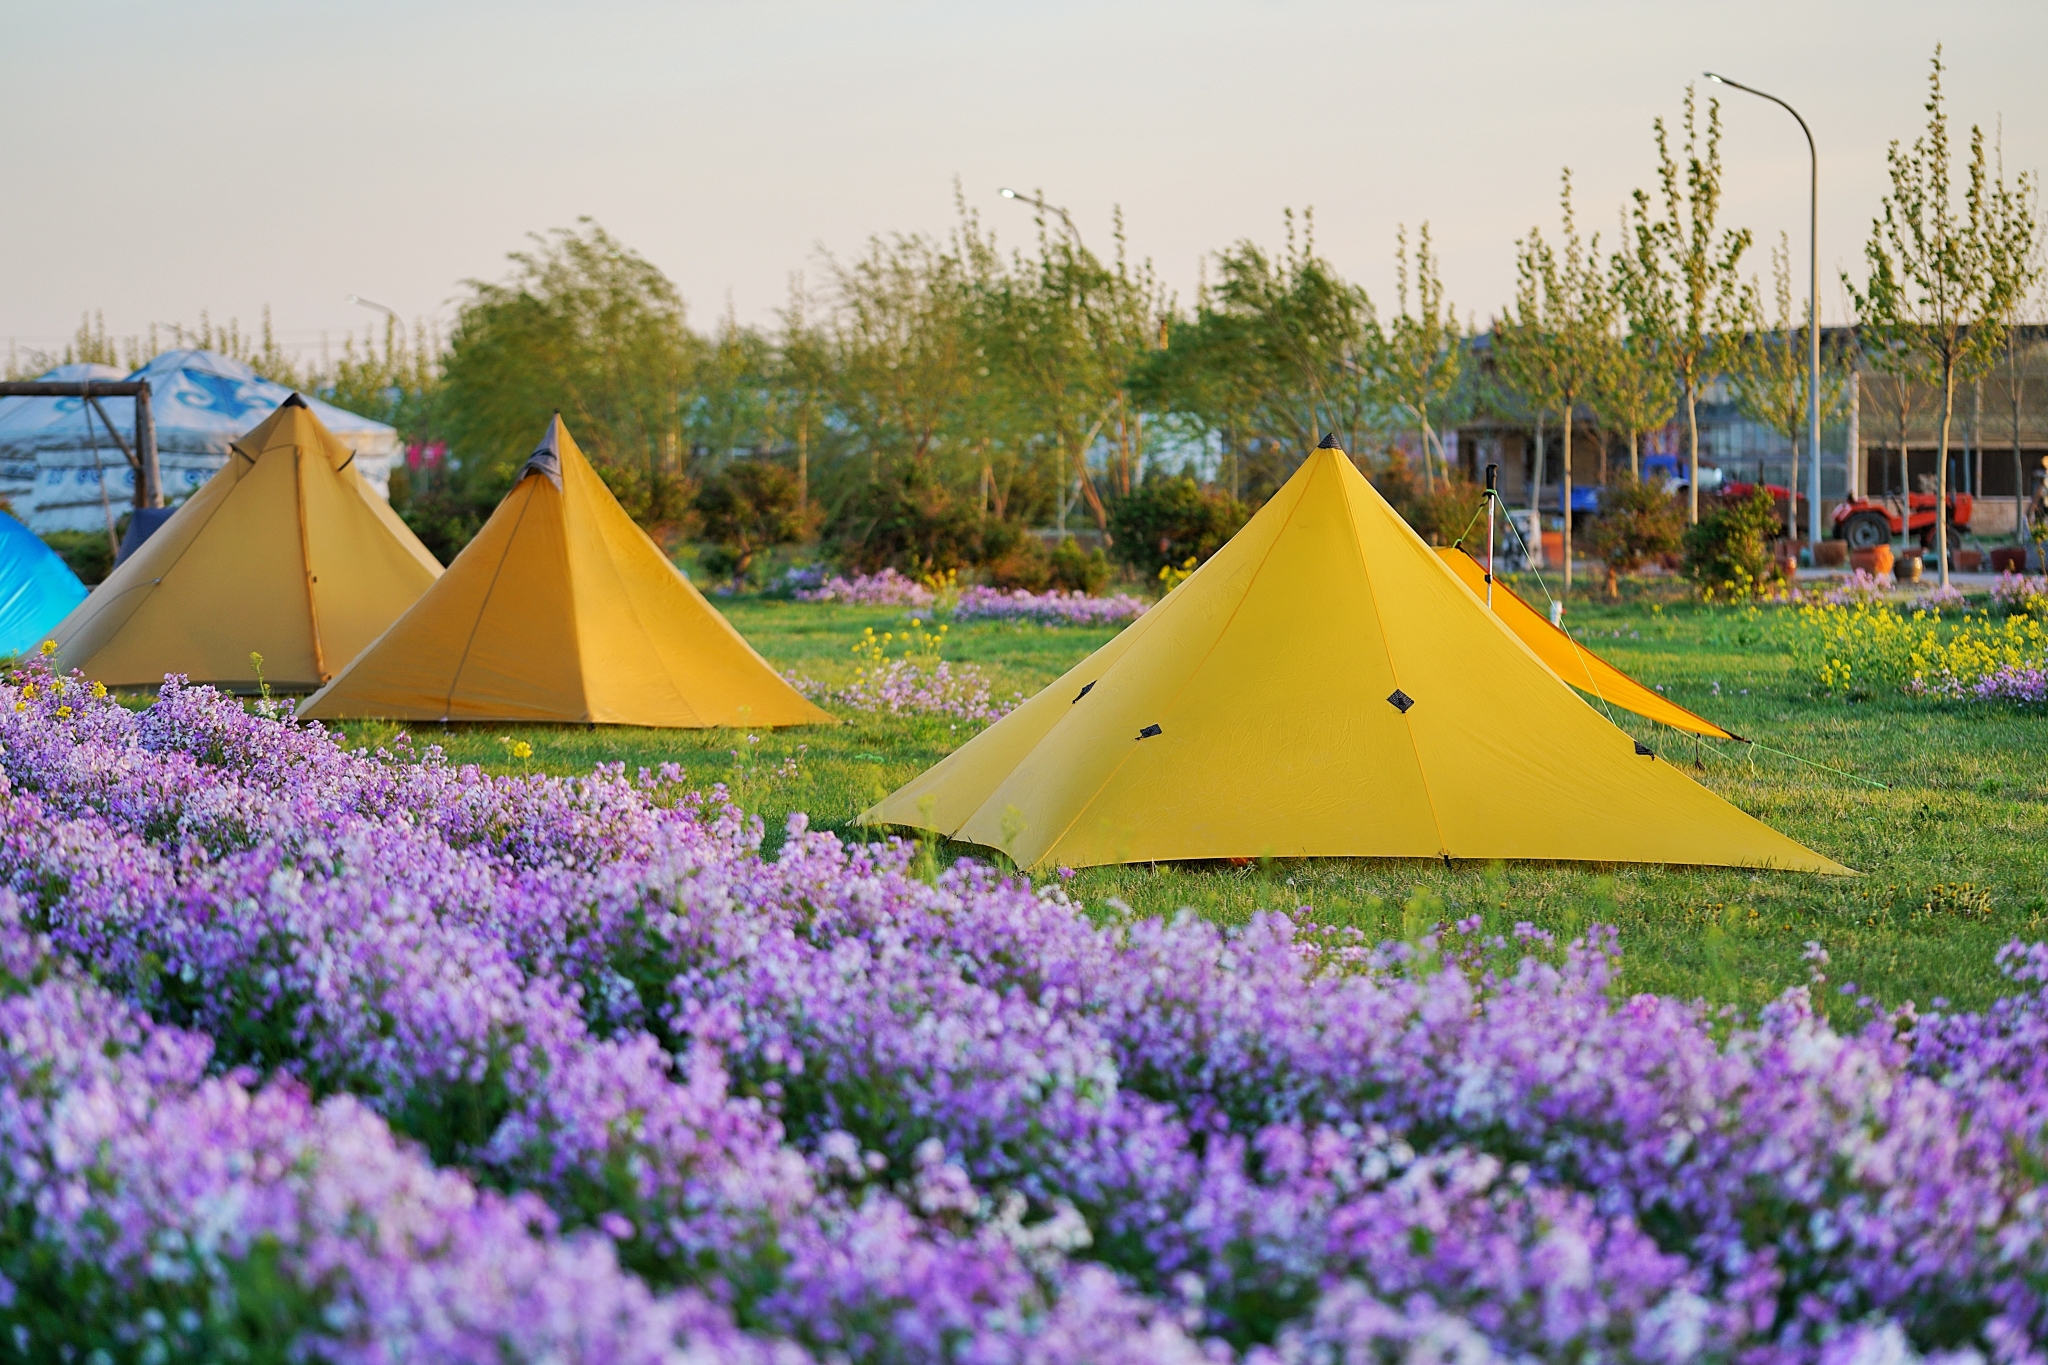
(31, 425)
(37, 589)
(202, 401)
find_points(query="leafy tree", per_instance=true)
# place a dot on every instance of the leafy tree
(1635, 389)
(1678, 278)
(1170, 520)
(1420, 359)
(1771, 373)
(1065, 330)
(1279, 351)
(748, 507)
(588, 327)
(906, 358)
(1555, 340)
(1944, 286)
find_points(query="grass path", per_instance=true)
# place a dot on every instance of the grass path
(1963, 824)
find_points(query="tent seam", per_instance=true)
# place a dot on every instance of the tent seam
(455, 678)
(1373, 590)
(1118, 767)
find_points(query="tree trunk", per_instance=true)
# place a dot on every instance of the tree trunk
(803, 464)
(1536, 499)
(1792, 496)
(1423, 418)
(1948, 404)
(1565, 502)
(1635, 463)
(1692, 446)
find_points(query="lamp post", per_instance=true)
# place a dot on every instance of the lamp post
(1812, 311)
(1043, 207)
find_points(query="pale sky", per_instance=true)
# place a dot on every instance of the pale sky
(163, 159)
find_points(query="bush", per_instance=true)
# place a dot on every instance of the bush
(1438, 514)
(907, 520)
(748, 507)
(1169, 520)
(87, 552)
(445, 517)
(1638, 522)
(1064, 568)
(1728, 554)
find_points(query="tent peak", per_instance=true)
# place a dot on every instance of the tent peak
(294, 402)
(1329, 442)
(547, 456)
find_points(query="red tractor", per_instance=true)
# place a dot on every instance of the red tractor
(1867, 523)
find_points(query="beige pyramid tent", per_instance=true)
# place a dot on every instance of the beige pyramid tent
(1324, 686)
(285, 552)
(562, 609)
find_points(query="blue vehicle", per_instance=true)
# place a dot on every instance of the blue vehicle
(1672, 470)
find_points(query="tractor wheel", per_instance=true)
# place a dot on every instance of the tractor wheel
(1867, 531)
(1928, 541)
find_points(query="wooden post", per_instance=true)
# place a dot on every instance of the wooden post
(149, 484)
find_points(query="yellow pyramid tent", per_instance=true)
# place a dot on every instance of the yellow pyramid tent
(1572, 661)
(1324, 686)
(285, 552)
(561, 609)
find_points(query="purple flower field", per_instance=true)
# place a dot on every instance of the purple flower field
(366, 1057)
(1050, 608)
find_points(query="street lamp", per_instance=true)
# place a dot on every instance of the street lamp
(1044, 207)
(391, 313)
(1812, 312)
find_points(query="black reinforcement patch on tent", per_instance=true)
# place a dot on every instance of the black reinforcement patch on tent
(1400, 701)
(1645, 750)
(1149, 731)
(1082, 693)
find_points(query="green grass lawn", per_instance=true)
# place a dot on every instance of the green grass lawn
(1962, 821)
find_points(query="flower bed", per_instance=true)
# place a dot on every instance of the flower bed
(1863, 647)
(885, 589)
(1051, 608)
(365, 1057)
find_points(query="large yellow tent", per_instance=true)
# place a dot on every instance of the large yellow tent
(1572, 661)
(562, 609)
(285, 552)
(1324, 686)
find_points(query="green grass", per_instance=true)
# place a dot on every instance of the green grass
(1965, 806)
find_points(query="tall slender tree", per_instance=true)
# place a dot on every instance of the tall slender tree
(1771, 373)
(1945, 283)
(1679, 273)
(1422, 355)
(1556, 339)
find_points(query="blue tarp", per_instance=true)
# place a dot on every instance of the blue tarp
(37, 589)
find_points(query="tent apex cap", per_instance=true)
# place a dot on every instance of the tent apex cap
(547, 456)
(1329, 442)
(294, 402)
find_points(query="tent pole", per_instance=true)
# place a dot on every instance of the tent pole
(1492, 480)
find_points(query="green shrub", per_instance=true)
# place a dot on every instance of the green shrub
(1077, 570)
(1167, 520)
(445, 518)
(87, 552)
(1065, 568)
(1638, 522)
(1439, 513)
(748, 507)
(1728, 553)
(911, 522)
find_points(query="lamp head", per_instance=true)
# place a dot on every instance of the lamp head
(1007, 193)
